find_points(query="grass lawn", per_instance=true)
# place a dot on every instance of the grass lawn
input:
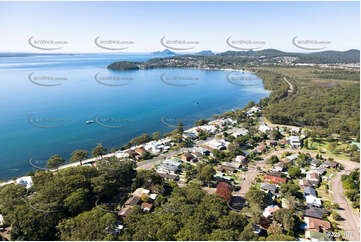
(322, 144)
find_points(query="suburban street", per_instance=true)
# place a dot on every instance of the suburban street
(351, 222)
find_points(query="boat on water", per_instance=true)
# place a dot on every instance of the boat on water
(90, 121)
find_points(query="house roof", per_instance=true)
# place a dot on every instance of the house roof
(124, 211)
(315, 162)
(132, 201)
(268, 187)
(168, 176)
(309, 190)
(306, 182)
(240, 158)
(331, 163)
(269, 210)
(274, 173)
(313, 200)
(188, 155)
(226, 167)
(140, 150)
(317, 224)
(314, 212)
(286, 160)
(147, 205)
(314, 176)
(140, 191)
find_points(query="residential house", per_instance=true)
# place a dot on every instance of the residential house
(320, 171)
(240, 132)
(314, 212)
(313, 178)
(285, 160)
(125, 211)
(251, 111)
(292, 157)
(295, 130)
(274, 177)
(121, 155)
(309, 191)
(132, 154)
(294, 141)
(140, 191)
(187, 156)
(267, 187)
(141, 151)
(132, 201)
(261, 148)
(192, 136)
(217, 144)
(269, 210)
(201, 150)
(225, 168)
(313, 201)
(158, 146)
(305, 183)
(271, 142)
(329, 164)
(314, 162)
(317, 225)
(283, 142)
(241, 160)
(235, 165)
(264, 128)
(1, 220)
(167, 168)
(153, 196)
(169, 176)
(279, 167)
(147, 206)
(26, 181)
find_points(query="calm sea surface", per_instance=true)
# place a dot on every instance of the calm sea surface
(45, 102)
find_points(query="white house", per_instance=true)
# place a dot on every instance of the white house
(153, 196)
(264, 128)
(292, 157)
(1, 220)
(121, 155)
(26, 181)
(157, 146)
(269, 210)
(253, 110)
(294, 141)
(240, 132)
(209, 128)
(217, 144)
(312, 200)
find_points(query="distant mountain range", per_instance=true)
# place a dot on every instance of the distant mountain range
(329, 56)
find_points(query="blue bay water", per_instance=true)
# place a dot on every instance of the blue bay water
(38, 121)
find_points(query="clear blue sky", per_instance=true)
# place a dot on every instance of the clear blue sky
(209, 23)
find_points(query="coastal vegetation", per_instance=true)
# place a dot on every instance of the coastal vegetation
(351, 184)
(62, 201)
(325, 109)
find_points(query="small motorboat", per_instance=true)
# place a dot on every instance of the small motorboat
(90, 121)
